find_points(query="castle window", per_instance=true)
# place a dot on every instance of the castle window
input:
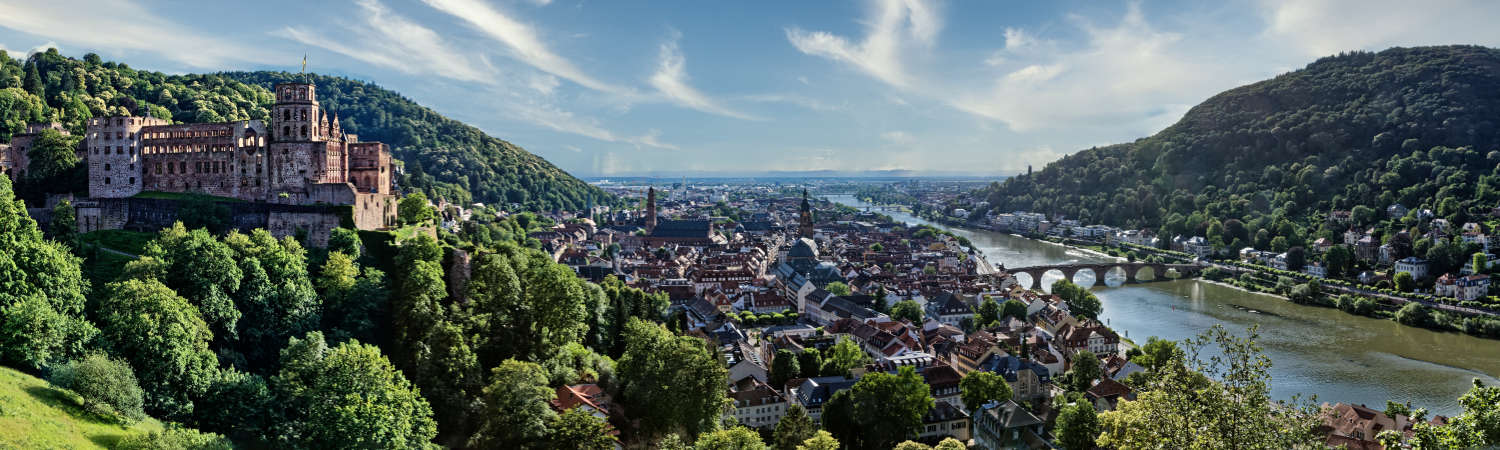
(286, 131)
(132, 181)
(286, 114)
(184, 166)
(158, 168)
(106, 180)
(304, 131)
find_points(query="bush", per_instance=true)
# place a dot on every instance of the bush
(108, 386)
(174, 438)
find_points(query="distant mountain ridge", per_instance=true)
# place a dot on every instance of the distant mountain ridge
(1353, 129)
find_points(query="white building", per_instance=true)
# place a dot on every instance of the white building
(1417, 267)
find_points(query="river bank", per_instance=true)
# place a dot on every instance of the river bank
(1338, 357)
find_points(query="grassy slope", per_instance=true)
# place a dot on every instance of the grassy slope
(35, 415)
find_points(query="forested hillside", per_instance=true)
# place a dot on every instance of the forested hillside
(1415, 126)
(442, 157)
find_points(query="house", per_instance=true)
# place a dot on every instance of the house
(1279, 262)
(1107, 393)
(1315, 270)
(590, 397)
(1417, 267)
(1445, 285)
(1027, 379)
(1007, 425)
(1357, 426)
(1340, 217)
(1367, 248)
(814, 392)
(1472, 287)
(756, 404)
(949, 309)
(1396, 211)
(1198, 246)
(1489, 263)
(945, 420)
(1322, 245)
(1089, 335)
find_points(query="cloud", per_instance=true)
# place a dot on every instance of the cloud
(124, 26)
(801, 101)
(894, 25)
(392, 41)
(1321, 28)
(898, 137)
(1118, 79)
(671, 81)
(521, 40)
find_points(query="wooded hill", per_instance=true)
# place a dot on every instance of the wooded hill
(1414, 126)
(442, 157)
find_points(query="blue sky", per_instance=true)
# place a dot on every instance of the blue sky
(711, 87)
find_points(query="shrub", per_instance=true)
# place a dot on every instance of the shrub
(174, 437)
(108, 386)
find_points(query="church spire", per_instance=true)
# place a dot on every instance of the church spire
(650, 209)
(805, 219)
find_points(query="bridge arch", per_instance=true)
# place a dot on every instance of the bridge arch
(1144, 273)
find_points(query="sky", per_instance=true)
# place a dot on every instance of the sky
(670, 88)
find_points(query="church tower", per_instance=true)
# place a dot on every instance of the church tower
(650, 209)
(805, 228)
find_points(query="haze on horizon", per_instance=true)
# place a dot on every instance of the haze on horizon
(610, 88)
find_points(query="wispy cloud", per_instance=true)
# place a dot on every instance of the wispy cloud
(798, 100)
(521, 40)
(390, 40)
(671, 80)
(894, 24)
(124, 26)
(1320, 28)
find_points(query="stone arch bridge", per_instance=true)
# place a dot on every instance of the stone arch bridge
(1131, 269)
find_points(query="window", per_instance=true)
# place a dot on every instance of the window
(106, 180)
(184, 166)
(286, 114)
(132, 181)
(106, 166)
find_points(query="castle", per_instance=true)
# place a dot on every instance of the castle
(302, 161)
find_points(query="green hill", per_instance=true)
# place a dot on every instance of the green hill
(443, 157)
(1415, 126)
(35, 415)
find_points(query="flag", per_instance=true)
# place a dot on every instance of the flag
(304, 62)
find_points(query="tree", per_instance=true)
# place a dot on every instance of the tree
(580, 429)
(1296, 257)
(979, 388)
(174, 437)
(820, 441)
(64, 227)
(107, 385)
(346, 241)
(784, 367)
(276, 298)
(810, 362)
(202, 269)
(1156, 353)
(1217, 400)
(1084, 372)
(165, 340)
(414, 210)
(837, 288)
(844, 356)
(793, 428)
(1081, 302)
(52, 155)
(889, 408)
(1013, 308)
(532, 305)
(1405, 282)
(1479, 262)
(517, 407)
(737, 438)
(349, 396)
(908, 310)
(989, 312)
(41, 292)
(1339, 259)
(670, 382)
(1414, 314)
(841, 420)
(1077, 426)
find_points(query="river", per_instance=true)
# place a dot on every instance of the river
(1317, 351)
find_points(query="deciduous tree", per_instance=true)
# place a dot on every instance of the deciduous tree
(517, 407)
(670, 382)
(979, 388)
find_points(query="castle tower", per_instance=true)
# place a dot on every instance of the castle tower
(650, 209)
(304, 150)
(805, 228)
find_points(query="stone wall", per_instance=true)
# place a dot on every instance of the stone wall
(113, 152)
(151, 215)
(315, 226)
(207, 158)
